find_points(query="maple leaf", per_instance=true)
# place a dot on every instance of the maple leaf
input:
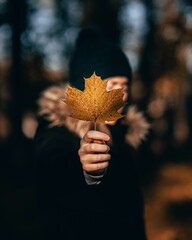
(95, 103)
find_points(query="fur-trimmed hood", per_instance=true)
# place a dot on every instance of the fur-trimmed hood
(57, 113)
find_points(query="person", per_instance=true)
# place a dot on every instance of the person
(88, 183)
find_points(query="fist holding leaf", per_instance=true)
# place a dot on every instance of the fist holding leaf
(95, 104)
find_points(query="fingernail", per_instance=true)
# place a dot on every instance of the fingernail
(107, 138)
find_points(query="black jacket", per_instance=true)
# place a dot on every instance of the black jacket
(72, 210)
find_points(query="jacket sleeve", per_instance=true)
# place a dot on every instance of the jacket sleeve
(57, 161)
(93, 179)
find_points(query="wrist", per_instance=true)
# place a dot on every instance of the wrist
(97, 173)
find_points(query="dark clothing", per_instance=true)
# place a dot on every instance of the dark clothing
(71, 209)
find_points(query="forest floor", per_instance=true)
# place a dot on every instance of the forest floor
(168, 209)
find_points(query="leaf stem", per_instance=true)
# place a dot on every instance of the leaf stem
(95, 125)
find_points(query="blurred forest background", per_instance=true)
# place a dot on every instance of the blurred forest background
(36, 41)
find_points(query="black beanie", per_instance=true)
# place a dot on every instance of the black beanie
(93, 53)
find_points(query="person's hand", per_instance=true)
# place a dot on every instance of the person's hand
(93, 152)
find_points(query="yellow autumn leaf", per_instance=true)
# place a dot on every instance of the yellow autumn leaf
(95, 103)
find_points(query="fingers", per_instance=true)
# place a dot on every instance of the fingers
(95, 167)
(90, 136)
(93, 151)
(94, 161)
(95, 158)
(94, 148)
